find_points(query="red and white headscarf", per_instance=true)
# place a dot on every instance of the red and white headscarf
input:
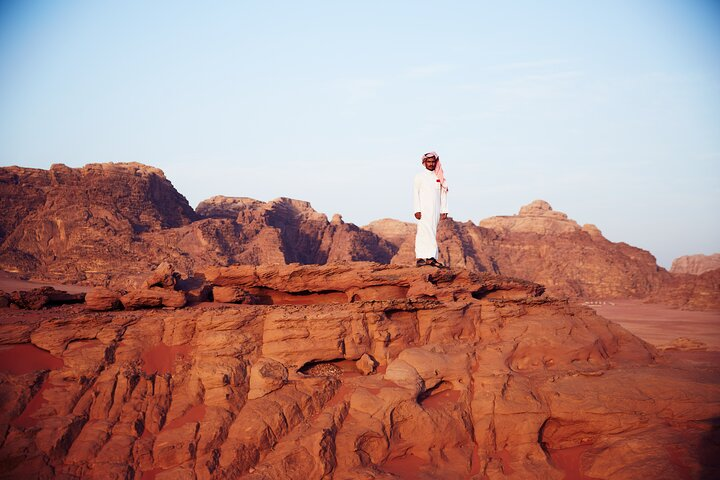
(438, 169)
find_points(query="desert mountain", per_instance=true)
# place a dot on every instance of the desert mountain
(111, 223)
(544, 246)
(108, 224)
(344, 371)
(696, 264)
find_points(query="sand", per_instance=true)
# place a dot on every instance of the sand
(162, 358)
(10, 282)
(660, 324)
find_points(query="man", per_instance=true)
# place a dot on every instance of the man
(430, 201)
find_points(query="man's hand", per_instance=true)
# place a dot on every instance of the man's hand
(418, 215)
(443, 216)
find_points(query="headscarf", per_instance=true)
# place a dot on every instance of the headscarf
(439, 174)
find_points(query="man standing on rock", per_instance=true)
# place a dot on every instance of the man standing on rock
(430, 201)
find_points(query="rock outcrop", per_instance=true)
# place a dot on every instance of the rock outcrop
(697, 292)
(38, 298)
(696, 264)
(478, 376)
(537, 217)
(80, 223)
(109, 224)
(544, 246)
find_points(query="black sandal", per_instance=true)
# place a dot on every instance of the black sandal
(420, 262)
(434, 263)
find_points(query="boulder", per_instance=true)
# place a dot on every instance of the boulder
(230, 294)
(153, 298)
(103, 299)
(163, 276)
(196, 289)
(266, 375)
(42, 297)
(366, 364)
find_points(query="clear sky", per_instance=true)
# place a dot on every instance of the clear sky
(609, 110)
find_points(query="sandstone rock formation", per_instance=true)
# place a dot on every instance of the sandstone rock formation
(479, 377)
(546, 247)
(109, 224)
(38, 298)
(81, 223)
(103, 299)
(394, 231)
(696, 264)
(536, 217)
(699, 292)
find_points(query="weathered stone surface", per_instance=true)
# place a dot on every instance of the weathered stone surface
(544, 246)
(696, 264)
(266, 375)
(537, 217)
(479, 376)
(196, 289)
(231, 294)
(67, 225)
(367, 364)
(696, 292)
(103, 299)
(42, 297)
(79, 224)
(164, 276)
(153, 298)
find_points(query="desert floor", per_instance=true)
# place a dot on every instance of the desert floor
(660, 324)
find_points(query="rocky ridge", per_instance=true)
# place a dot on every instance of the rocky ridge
(472, 375)
(108, 224)
(696, 264)
(544, 246)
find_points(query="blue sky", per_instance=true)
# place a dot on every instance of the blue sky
(608, 110)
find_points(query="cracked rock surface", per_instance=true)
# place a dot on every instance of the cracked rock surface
(478, 376)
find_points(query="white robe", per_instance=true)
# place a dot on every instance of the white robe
(430, 200)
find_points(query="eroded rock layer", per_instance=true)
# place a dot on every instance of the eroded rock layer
(545, 246)
(473, 376)
(696, 264)
(108, 224)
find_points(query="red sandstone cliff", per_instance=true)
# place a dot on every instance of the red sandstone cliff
(346, 371)
(696, 264)
(108, 224)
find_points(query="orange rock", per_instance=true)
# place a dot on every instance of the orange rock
(164, 276)
(696, 264)
(153, 298)
(266, 376)
(367, 364)
(478, 375)
(103, 299)
(230, 294)
(42, 297)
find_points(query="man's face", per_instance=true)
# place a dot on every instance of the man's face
(430, 163)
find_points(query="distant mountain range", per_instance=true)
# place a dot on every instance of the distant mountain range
(109, 223)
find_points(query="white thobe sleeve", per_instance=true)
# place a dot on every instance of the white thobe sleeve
(416, 193)
(443, 200)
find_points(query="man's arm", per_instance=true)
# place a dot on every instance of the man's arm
(416, 197)
(443, 204)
